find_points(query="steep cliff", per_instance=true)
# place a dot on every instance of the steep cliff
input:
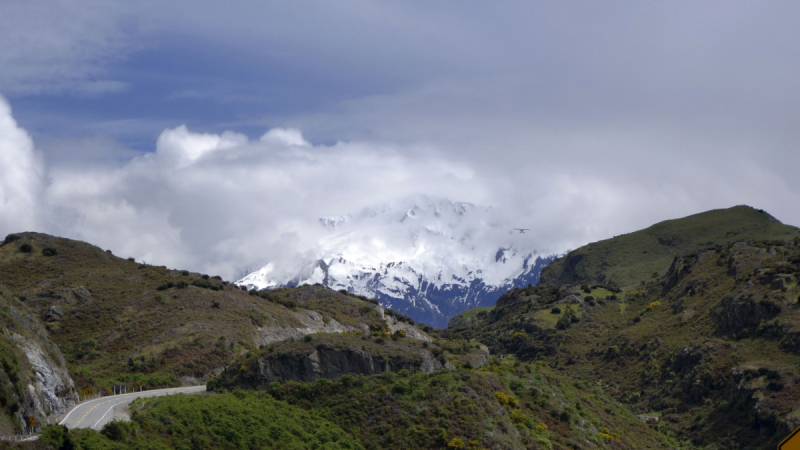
(34, 381)
(331, 356)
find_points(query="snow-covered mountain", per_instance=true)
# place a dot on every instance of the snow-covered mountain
(428, 258)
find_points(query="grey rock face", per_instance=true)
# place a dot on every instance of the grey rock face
(310, 322)
(324, 362)
(53, 391)
(55, 314)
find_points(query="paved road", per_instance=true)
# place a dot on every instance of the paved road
(96, 413)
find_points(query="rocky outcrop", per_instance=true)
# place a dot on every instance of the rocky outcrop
(461, 321)
(53, 391)
(310, 322)
(678, 270)
(745, 313)
(395, 325)
(326, 362)
(38, 383)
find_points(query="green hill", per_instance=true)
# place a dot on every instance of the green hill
(708, 352)
(636, 257)
(117, 321)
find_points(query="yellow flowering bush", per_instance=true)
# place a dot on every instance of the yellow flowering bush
(506, 399)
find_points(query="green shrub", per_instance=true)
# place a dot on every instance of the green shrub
(165, 286)
(308, 338)
(26, 248)
(401, 387)
(116, 430)
(242, 420)
(56, 436)
(49, 251)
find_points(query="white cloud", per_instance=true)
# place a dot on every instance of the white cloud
(21, 172)
(222, 203)
(284, 136)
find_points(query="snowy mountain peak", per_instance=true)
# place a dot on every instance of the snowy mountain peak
(427, 257)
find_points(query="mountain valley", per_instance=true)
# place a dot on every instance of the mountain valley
(684, 335)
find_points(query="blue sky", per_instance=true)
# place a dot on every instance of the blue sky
(581, 120)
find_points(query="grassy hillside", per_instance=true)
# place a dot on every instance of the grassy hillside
(119, 321)
(506, 404)
(635, 257)
(242, 420)
(709, 351)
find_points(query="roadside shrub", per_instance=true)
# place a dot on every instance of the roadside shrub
(116, 430)
(56, 436)
(212, 384)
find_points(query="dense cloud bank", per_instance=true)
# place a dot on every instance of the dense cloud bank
(226, 204)
(218, 203)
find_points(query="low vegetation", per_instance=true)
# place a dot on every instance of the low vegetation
(241, 420)
(708, 351)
